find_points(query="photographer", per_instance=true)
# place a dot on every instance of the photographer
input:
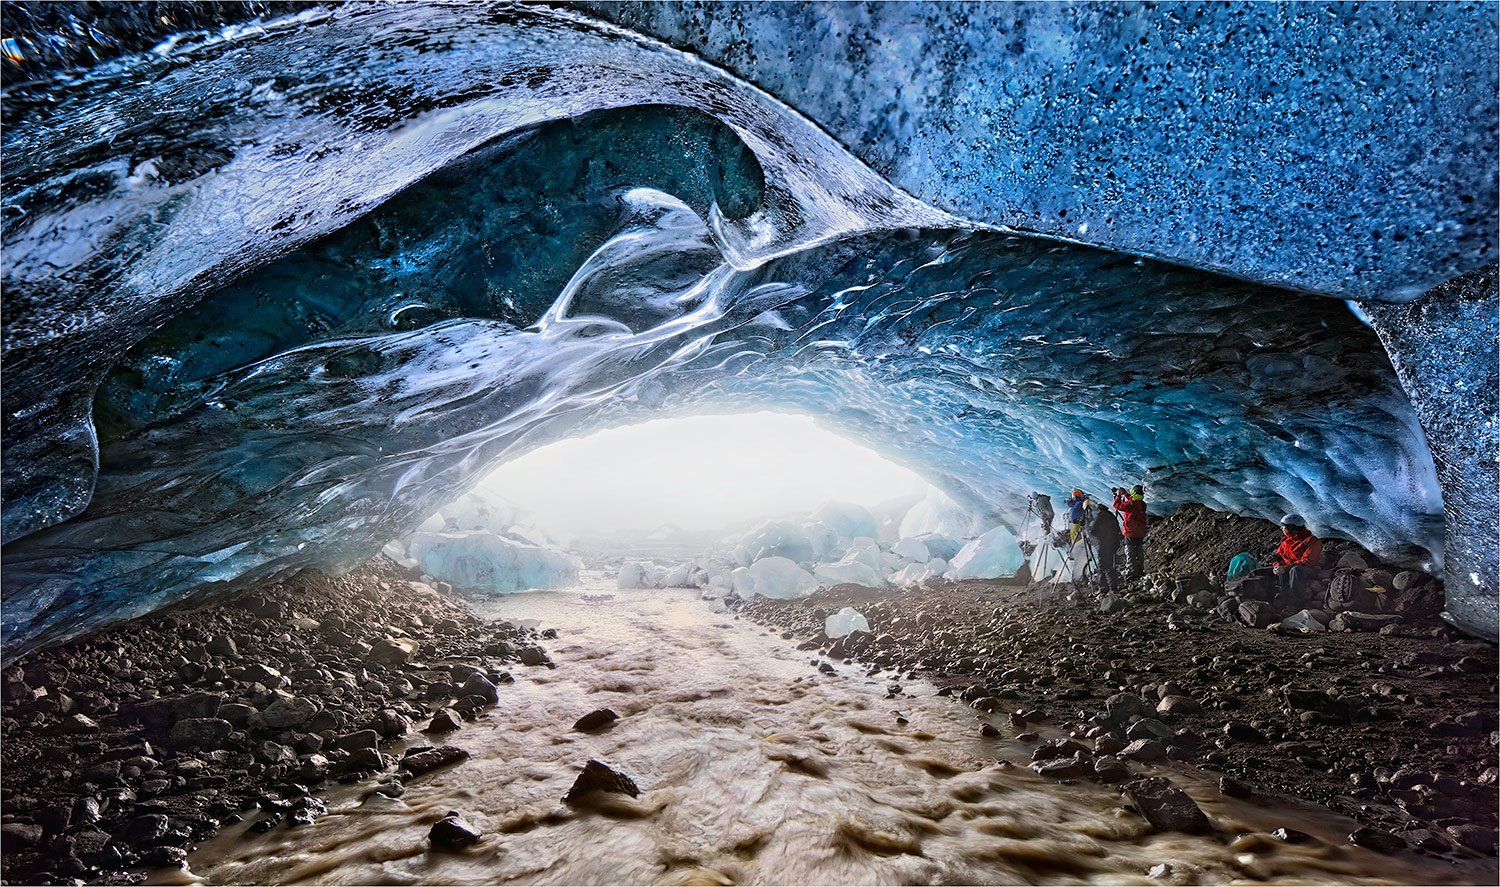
(1132, 508)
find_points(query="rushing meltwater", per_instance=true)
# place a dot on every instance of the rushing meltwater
(756, 767)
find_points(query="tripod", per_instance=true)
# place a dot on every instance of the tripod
(1045, 544)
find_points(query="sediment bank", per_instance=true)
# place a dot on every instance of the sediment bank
(124, 749)
(1395, 729)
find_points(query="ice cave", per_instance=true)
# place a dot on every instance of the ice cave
(285, 283)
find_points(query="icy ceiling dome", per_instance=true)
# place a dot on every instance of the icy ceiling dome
(328, 309)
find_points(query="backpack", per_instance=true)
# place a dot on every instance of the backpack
(1243, 564)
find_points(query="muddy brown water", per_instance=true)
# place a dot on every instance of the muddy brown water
(756, 768)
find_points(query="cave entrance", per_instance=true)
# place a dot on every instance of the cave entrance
(688, 481)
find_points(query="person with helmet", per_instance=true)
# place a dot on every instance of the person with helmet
(1076, 505)
(1131, 505)
(1298, 558)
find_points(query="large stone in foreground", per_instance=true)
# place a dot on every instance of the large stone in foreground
(1167, 807)
(598, 776)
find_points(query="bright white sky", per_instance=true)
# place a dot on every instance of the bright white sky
(699, 473)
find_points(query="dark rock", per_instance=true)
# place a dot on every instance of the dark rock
(1291, 836)
(453, 832)
(429, 759)
(19, 835)
(1062, 768)
(1233, 788)
(77, 723)
(599, 776)
(534, 656)
(207, 733)
(289, 711)
(222, 645)
(1476, 838)
(391, 723)
(1167, 807)
(357, 740)
(164, 857)
(444, 720)
(595, 720)
(1110, 770)
(1144, 750)
(1122, 708)
(1178, 705)
(1377, 840)
(1239, 731)
(1150, 728)
(388, 652)
(365, 760)
(238, 714)
(145, 829)
(479, 685)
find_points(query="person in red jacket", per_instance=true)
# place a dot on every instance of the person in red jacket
(1132, 508)
(1299, 556)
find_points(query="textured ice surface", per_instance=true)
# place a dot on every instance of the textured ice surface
(844, 622)
(773, 577)
(941, 545)
(912, 550)
(773, 539)
(330, 276)
(990, 556)
(479, 560)
(851, 570)
(937, 513)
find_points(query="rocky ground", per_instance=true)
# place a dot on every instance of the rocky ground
(1390, 720)
(124, 749)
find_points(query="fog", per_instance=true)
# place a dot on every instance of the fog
(699, 473)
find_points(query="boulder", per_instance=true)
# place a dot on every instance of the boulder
(428, 759)
(479, 685)
(595, 720)
(390, 652)
(207, 733)
(1167, 807)
(444, 720)
(289, 711)
(599, 776)
(453, 832)
(1122, 708)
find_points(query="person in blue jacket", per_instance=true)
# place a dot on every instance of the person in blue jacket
(1076, 513)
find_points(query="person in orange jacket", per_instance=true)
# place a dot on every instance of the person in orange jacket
(1132, 508)
(1299, 556)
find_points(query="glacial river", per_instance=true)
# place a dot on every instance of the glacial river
(757, 768)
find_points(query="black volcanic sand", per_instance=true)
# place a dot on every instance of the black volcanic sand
(126, 748)
(1395, 729)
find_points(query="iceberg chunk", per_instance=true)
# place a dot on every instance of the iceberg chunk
(773, 539)
(847, 520)
(991, 556)
(937, 513)
(845, 621)
(941, 545)
(913, 550)
(849, 571)
(914, 575)
(822, 538)
(479, 560)
(773, 577)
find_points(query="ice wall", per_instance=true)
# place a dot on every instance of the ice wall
(330, 273)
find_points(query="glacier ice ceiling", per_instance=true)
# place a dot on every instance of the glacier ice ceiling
(273, 296)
